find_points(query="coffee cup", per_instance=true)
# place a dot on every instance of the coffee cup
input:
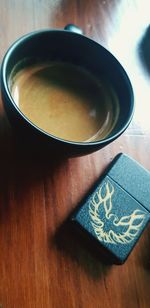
(65, 92)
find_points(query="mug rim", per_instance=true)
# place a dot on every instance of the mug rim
(40, 130)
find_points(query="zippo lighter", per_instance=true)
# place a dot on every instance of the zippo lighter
(117, 211)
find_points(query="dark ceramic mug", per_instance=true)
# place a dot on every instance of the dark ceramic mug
(67, 45)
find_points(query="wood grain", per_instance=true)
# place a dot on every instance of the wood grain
(39, 265)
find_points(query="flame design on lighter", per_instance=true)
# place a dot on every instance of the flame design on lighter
(131, 222)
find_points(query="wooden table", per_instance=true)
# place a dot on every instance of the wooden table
(37, 268)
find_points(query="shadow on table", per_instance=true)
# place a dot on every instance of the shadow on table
(70, 243)
(144, 49)
(23, 163)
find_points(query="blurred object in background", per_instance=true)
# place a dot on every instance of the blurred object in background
(144, 49)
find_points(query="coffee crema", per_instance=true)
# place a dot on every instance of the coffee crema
(65, 100)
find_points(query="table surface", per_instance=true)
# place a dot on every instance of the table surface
(40, 266)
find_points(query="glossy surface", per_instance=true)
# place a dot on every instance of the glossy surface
(42, 266)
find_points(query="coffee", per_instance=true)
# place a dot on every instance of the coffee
(65, 100)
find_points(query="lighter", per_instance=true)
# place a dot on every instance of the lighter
(117, 210)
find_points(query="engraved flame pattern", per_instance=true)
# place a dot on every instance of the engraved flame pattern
(129, 224)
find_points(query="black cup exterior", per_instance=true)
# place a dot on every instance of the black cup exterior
(62, 45)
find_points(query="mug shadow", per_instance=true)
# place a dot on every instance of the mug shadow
(68, 242)
(21, 164)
